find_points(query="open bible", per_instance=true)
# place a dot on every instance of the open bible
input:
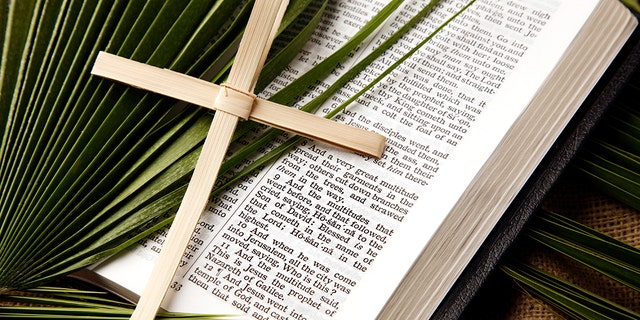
(325, 234)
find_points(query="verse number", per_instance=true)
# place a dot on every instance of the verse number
(176, 286)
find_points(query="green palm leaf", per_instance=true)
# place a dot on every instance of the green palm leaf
(66, 303)
(600, 252)
(569, 300)
(73, 163)
(633, 4)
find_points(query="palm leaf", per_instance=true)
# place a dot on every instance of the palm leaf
(68, 303)
(633, 4)
(611, 160)
(566, 298)
(74, 161)
(598, 251)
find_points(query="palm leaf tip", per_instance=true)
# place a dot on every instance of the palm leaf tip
(70, 303)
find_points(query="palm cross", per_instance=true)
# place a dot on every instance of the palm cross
(233, 101)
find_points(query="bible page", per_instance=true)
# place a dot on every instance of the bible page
(324, 234)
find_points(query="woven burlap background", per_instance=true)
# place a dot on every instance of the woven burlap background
(579, 200)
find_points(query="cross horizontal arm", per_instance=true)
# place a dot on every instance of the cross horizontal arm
(204, 93)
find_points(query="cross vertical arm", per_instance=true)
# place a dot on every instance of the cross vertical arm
(249, 60)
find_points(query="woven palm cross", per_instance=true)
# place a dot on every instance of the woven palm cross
(233, 101)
